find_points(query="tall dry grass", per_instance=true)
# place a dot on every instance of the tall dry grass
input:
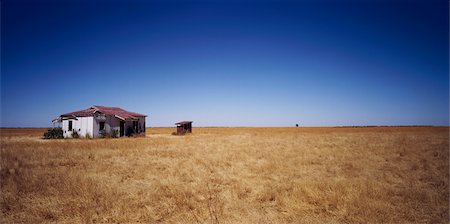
(229, 175)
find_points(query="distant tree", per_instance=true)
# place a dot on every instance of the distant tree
(296, 125)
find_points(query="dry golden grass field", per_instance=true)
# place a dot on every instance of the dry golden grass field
(229, 175)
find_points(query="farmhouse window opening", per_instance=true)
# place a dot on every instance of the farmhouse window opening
(70, 125)
(101, 126)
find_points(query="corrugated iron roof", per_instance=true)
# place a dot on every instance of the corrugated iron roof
(183, 122)
(112, 111)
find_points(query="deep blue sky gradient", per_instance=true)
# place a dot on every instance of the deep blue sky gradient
(228, 63)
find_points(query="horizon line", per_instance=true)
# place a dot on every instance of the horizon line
(331, 126)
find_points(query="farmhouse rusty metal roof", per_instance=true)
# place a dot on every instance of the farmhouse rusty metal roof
(183, 122)
(112, 111)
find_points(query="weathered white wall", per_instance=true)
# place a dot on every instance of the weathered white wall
(83, 125)
(114, 123)
(111, 123)
(65, 128)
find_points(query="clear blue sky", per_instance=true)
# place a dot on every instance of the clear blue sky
(228, 63)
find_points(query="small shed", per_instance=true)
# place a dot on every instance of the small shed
(184, 127)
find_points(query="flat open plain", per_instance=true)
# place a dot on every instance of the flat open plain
(229, 175)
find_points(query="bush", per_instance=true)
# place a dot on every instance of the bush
(103, 134)
(54, 133)
(88, 135)
(114, 133)
(75, 134)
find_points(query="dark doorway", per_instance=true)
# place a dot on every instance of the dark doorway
(122, 128)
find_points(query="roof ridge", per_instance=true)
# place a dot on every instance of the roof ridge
(106, 110)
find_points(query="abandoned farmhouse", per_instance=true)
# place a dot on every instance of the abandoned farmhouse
(96, 121)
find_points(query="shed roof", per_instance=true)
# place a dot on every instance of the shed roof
(112, 111)
(183, 122)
